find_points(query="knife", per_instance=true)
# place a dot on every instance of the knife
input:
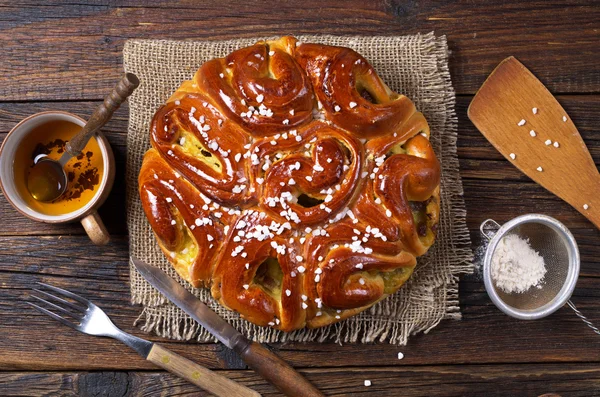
(266, 363)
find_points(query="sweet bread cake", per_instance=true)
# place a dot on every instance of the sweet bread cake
(289, 179)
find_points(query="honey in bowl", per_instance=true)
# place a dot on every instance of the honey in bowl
(84, 172)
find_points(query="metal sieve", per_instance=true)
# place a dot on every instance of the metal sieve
(555, 243)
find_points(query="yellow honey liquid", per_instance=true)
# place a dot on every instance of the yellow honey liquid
(84, 172)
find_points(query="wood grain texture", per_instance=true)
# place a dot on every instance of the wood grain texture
(584, 110)
(67, 56)
(511, 105)
(275, 370)
(561, 338)
(557, 40)
(478, 160)
(409, 381)
(210, 381)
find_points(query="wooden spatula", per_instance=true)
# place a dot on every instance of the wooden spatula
(513, 102)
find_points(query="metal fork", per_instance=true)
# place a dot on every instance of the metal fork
(84, 316)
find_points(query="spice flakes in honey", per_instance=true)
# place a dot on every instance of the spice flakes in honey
(84, 172)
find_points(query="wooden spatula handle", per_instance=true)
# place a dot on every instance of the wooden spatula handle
(197, 374)
(279, 373)
(103, 113)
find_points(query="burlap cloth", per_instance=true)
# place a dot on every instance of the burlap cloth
(416, 66)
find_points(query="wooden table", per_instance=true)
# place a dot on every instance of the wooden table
(67, 55)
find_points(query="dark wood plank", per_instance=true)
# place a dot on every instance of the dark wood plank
(70, 53)
(473, 380)
(73, 51)
(584, 110)
(102, 274)
(488, 178)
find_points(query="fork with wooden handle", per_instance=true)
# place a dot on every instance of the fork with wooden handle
(84, 316)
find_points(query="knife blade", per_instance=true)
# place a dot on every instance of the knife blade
(266, 363)
(189, 303)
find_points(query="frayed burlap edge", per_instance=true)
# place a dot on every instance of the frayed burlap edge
(414, 65)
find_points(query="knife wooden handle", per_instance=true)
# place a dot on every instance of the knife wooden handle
(276, 371)
(197, 374)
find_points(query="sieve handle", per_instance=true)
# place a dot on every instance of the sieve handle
(489, 228)
(583, 318)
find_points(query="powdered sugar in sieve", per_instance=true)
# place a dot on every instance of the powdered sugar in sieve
(555, 243)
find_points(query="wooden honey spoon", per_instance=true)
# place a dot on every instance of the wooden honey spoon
(47, 179)
(523, 120)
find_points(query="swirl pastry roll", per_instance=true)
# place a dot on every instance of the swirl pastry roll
(292, 182)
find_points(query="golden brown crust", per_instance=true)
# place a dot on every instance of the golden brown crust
(342, 77)
(235, 83)
(293, 182)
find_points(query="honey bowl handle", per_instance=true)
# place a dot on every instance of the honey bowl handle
(95, 229)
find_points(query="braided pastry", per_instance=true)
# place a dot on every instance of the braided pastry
(293, 182)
